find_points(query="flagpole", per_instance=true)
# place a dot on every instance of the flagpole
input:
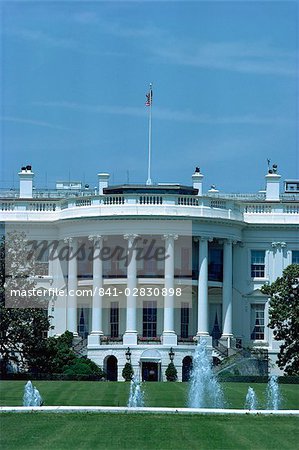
(149, 181)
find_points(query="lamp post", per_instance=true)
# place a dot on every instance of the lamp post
(171, 354)
(128, 354)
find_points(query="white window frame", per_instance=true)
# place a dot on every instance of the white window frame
(265, 318)
(250, 263)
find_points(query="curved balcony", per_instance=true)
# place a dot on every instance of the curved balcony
(145, 205)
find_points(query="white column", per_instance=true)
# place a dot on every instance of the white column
(169, 336)
(130, 336)
(97, 283)
(71, 313)
(202, 292)
(227, 290)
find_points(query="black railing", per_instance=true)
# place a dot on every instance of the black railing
(220, 347)
(79, 346)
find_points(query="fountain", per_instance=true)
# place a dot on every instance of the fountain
(250, 400)
(273, 393)
(205, 390)
(32, 396)
(136, 397)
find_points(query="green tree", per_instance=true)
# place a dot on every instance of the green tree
(171, 372)
(284, 317)
(23, 323)
(60, 353)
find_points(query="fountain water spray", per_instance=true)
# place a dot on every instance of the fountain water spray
(32, 396)
(205, 390)
(250, 400)
(136, 397)
(273, 393)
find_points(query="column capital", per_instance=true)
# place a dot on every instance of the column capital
(170, 236)
(228, 241)
(203, 238)
(96, 238)
(278, 244)
(68, 240)
(130, 237)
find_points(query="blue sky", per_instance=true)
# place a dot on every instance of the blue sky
(225, 84)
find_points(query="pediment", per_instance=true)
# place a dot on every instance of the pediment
(256, 293)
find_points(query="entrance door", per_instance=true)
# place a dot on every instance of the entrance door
(150, 371)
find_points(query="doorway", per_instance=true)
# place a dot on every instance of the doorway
(150, 371)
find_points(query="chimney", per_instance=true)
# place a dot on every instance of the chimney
(197, 181)
(26, 182)
(272, 184)
(103, 181)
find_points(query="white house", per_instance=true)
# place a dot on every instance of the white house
(139, 272)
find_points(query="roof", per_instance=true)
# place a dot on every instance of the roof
(151, 189)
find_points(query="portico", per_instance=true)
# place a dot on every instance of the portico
(157, 293)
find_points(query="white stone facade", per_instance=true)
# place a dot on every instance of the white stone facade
(220, 250)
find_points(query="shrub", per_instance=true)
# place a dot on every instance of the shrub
(128, 372)
(83, 367)
(171, 372)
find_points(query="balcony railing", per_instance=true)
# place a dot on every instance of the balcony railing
(227, 208)
(149, 340)
(111, 339)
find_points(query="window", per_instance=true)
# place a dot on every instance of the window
(82, 317)
(184, 320)
(42, 260)
(85, 265)
(258, 322)
(258, 263)
(149, 319)
(215, 264)
(114, 319)
(149, 265)
(295, 257)
(185, 258)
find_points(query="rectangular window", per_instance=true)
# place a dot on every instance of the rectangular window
(295, 257)
(258, 322)
(258, 263)
(185, 258)
(184, 320)
(149, 328)
(149, 265)
(114, 319)
(42, 261)
(215, 267)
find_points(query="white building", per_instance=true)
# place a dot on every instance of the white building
(219, 249)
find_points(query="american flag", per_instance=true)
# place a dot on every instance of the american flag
(149, 97)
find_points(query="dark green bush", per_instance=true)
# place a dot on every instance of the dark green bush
(128, 372)
(171, 372)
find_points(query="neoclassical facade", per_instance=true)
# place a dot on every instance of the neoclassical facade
(138, 273)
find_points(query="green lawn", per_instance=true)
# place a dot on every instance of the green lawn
(116, 394)
(146, 431)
